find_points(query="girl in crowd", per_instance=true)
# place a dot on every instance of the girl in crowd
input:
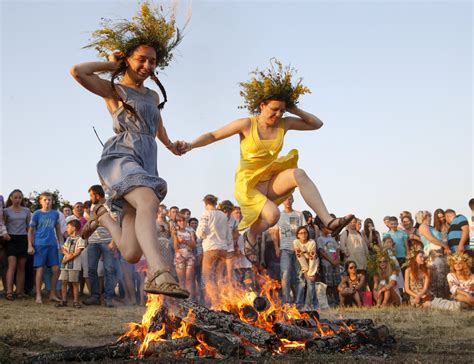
(372, 236)
(407, 222)
(351, 284)
(436, 251)
(386, 290)
(389, 246)
(329, 252)
(184, 242)
(305, 250)
(440, 224)
(311, 226)
(17, 219)
(417, 282)
(263, 180)
(460, 279)
(128, 165)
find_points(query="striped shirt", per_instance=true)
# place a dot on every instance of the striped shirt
(455, 232)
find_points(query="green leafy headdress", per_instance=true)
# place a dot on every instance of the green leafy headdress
(149, 26)
(274, 83)
(373, 260)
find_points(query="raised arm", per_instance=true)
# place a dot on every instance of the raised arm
(303, 121)
(86, 75)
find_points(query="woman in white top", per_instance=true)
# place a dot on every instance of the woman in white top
(385, 281)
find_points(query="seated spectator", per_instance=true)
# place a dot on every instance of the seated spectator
(384, 271)
(71, 263)
(460, 279)
(306, 254)
(435, 250)
(351, 284)
(329, 252)
(417, 282)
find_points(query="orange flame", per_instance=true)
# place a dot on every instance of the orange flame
(202, 348)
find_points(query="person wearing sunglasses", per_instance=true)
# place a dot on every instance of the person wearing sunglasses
(351, 283)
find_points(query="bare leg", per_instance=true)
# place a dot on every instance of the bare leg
(11, 273)
(285, 181)
(54, 280)
(64, 291)
(124, 236)
(75, 292)
(20, 276)
(190, 279)
(465, 297)
(267, 218)
(39, 283)
(357, 299)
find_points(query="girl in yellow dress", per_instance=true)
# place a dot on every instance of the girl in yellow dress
(263, 179)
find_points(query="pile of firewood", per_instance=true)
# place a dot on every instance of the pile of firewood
(224, 335)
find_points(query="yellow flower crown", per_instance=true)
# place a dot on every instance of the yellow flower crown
(149, 26)
(373, 259)
(274, 83)
(459, 257)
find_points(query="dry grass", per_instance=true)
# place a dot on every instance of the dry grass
(27, 328)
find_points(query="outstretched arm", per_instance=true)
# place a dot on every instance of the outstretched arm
(303, 121)
(239, 126)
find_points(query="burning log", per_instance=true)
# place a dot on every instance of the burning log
(228, 322)
(170, 345)
(261, 303)
(118, 350)
(250, 314)
(292, 333)
(333, 324)
(228, 345)
(373, 335)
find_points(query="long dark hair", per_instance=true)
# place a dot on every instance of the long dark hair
(438, 225)
(121, 71)
(9, 200)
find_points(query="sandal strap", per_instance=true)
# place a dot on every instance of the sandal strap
(331, 222)
(157, 273)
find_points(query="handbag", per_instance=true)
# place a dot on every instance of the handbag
(367, 299)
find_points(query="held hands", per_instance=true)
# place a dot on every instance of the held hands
(179, 147)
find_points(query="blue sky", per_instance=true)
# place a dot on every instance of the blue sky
(392, 82)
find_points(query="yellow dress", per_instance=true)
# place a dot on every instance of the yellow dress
(259, 162)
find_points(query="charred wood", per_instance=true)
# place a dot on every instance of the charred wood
(170, 345)
(290, 332)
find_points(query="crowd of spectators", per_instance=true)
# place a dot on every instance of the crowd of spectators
(424, 261)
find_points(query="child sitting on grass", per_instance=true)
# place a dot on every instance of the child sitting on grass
(71, 263)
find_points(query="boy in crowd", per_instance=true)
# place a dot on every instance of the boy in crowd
(43, 235)
(400, 239)
(71, 264)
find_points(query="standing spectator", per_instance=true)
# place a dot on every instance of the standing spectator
(43, 236)
(372, 236)
(173, 212)
(237, 213)
(226, 207)
(100, 244)
(243, 267)
(460, 279)
(184, 242)
(386, 222)
(165, 242)
(306, 253)
(66, 210)
(186, 213)
(353, 246)
(17, 218)
(193, 224)
(87, 210)
(329, 252)
(408, 225)
(440, 224)
(471, 225)
(351, 285)
(313, 229)
(71, 263)
(3, 255)
(213, 229)
(458, 232)
(78, 212)
(270, 257)
(400, 238)
(284, 233)
(436, 250)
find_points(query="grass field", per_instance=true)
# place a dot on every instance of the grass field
(421, 335)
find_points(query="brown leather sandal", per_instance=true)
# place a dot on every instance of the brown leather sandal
(343, 222)
(171, 289)
(93, 222)
(251, 251)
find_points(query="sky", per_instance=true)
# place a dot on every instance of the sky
(392, 82)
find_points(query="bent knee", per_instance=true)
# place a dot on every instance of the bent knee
(131, 256)
(299, 174)
(272, 215)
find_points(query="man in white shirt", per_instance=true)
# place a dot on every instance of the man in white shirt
(283, 234)
(214, 231)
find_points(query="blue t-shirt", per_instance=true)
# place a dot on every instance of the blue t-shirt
(44, 224)
(399, 237)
